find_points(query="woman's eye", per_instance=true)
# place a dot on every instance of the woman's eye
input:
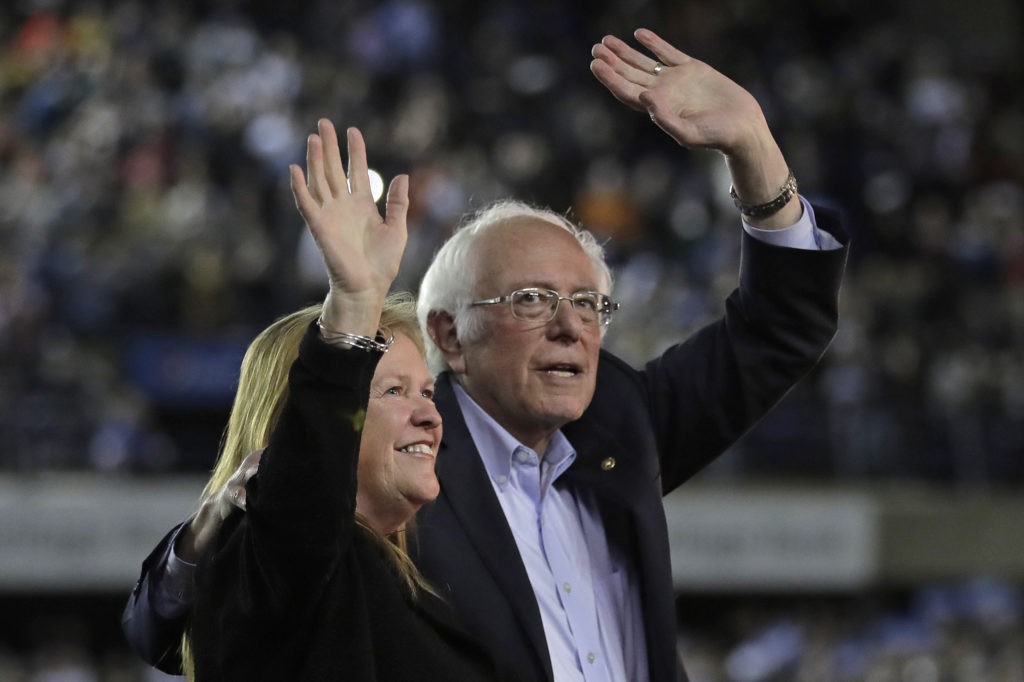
(428, 394)
(394, 390)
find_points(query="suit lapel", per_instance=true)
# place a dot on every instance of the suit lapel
(605, 466)
(467, 488)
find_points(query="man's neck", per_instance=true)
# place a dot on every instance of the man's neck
(536, 439)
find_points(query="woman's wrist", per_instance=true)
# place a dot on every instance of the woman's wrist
(379, 343)
(357, 314)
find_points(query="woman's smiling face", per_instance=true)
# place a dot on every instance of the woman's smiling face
(400, 439)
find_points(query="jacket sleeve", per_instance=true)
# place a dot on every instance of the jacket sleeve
(154, 638)
(704, 393)
(270, 565)
(304, 490)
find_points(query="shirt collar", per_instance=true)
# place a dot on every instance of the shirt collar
(497, 446)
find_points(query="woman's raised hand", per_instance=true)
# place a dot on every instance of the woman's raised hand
(361, 250)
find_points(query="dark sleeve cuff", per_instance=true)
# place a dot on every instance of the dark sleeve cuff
(349, 367)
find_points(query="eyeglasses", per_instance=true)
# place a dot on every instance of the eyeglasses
(541, 305)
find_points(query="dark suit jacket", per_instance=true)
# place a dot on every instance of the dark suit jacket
(644, 434)
(154, 638)
(294, 589)
(660, 426)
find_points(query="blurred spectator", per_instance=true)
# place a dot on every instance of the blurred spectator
(146, 231)
(144, 211)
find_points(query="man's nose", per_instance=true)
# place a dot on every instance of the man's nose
(567, 321)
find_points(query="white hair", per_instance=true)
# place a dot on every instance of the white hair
(450, 282)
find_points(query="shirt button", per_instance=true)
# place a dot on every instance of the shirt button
(591, 657)
(567, 587)
(503, 479)
(522, 456)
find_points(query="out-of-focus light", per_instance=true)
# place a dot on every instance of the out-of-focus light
(886, 192)
(689, 219)
(376, 185)
(521, 155)
(532, 75)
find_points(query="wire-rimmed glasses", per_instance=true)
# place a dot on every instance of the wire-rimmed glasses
(535, 304)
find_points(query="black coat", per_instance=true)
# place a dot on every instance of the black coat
(643, 435)
(294, 589)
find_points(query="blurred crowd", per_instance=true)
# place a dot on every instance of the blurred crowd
(962, 632)
(969, 631)
(147, 231)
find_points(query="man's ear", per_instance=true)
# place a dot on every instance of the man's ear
(441, 327)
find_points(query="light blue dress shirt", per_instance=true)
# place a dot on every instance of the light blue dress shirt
(589, 600)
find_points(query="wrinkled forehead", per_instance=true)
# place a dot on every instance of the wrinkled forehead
(528, 251)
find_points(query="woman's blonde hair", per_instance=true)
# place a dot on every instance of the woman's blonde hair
(260, 398)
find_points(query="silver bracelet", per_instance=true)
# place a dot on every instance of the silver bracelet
(379, 344)
(772, 207)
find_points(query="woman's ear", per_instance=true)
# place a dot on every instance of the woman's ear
(441, 327)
